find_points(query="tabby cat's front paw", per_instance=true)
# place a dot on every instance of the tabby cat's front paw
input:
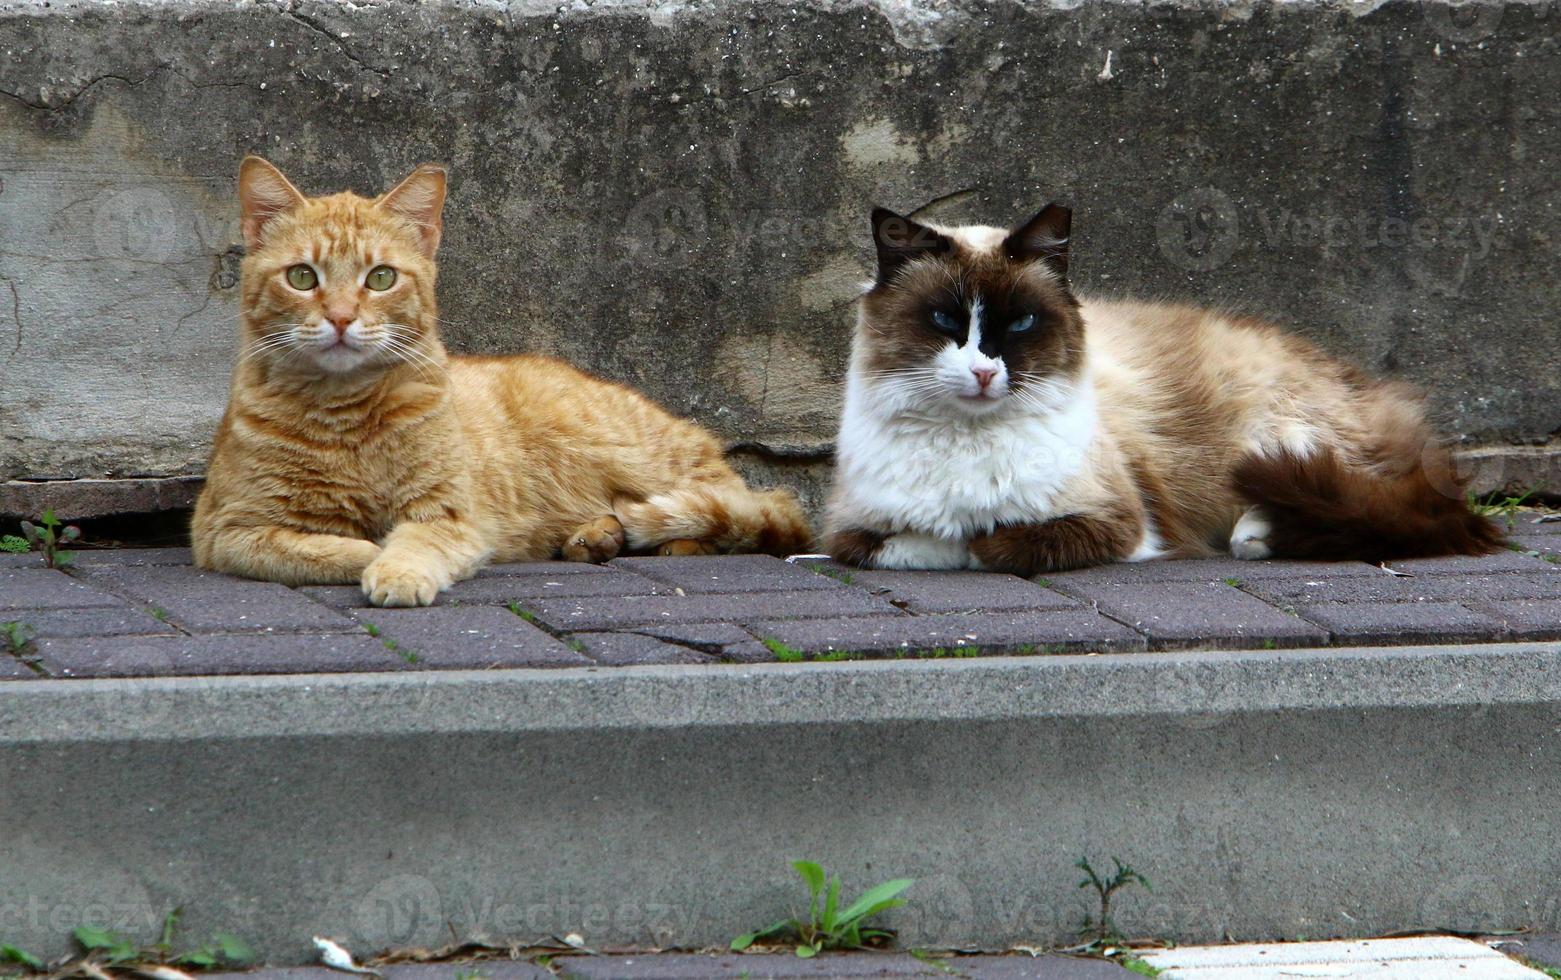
(400, 583)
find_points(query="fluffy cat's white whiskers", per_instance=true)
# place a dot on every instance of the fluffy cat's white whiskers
(1249, 540)
(911, 550)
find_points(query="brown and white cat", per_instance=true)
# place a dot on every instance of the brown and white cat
(355, 450)
(995, 420)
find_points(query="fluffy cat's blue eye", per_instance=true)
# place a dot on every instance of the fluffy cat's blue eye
(945, 323)
(1022, 325)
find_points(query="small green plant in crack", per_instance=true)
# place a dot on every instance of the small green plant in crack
(49, 539)
(1501, 506)
(524, 613)
(838, 574)
(1537, 966)
(20, 957)
(1138, 965)
(389, 644)
(104, 947)
(14, 545)
(1102, 931)
(18, 636)
(828, 926)
(1232, 581)
(160, 614)
(785, 654)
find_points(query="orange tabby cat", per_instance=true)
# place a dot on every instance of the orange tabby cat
(354, 449)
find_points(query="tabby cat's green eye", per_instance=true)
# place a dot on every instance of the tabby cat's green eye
(380, 278)
(302, 277)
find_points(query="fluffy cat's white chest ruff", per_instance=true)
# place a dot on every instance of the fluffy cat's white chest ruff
(960, 477)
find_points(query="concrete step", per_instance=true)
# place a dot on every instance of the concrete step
(1267, 795)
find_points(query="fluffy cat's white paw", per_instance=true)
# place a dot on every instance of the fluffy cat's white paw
(400, 583)
(922, 551)
(1249, 540)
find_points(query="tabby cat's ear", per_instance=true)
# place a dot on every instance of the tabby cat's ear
(420, 199)
(898, 239)
(263, 193)
(1043, 238)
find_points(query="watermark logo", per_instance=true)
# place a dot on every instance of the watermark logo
(665, 228)
(139, 223)
(398, 911)
(1198, 230)
(1464, 22)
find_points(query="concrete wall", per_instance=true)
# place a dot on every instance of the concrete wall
(675, 194)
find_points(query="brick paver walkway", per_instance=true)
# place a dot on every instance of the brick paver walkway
(144, 612)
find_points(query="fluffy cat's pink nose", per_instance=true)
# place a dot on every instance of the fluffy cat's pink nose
(984, 376)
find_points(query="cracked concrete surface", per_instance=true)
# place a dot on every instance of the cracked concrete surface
(675, 195)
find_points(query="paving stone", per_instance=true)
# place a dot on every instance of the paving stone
(134, 556)
(636, 649)
(1210, 570)
(12, 669)
(1501, 561)
(470, 638)
(264, 653)
(724, 641)
(482, 970)
(1197, 614)
(1544, 950)
(1542, 544)
(991, 633)
(502, 590)
(574, 615)
(208, 602)
(47, 588)
(957, 592)
(702, 966)
(543, 568)
(1022, 966)
(728, 574)
(1421, 588)
(1415, 958)
(1402, 622)
(121, 620)
(1525, 619)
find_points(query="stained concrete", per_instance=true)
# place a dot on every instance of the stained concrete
(675, 194)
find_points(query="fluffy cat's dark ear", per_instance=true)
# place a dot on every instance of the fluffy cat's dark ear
(263, 193)
(420, 199)
(898, 239)
(1044, 238)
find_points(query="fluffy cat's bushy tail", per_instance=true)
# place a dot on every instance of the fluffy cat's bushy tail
(1321, 507)
(729, 516)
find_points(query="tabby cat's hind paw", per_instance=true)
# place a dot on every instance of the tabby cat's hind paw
(686, 546)
(595, 541)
